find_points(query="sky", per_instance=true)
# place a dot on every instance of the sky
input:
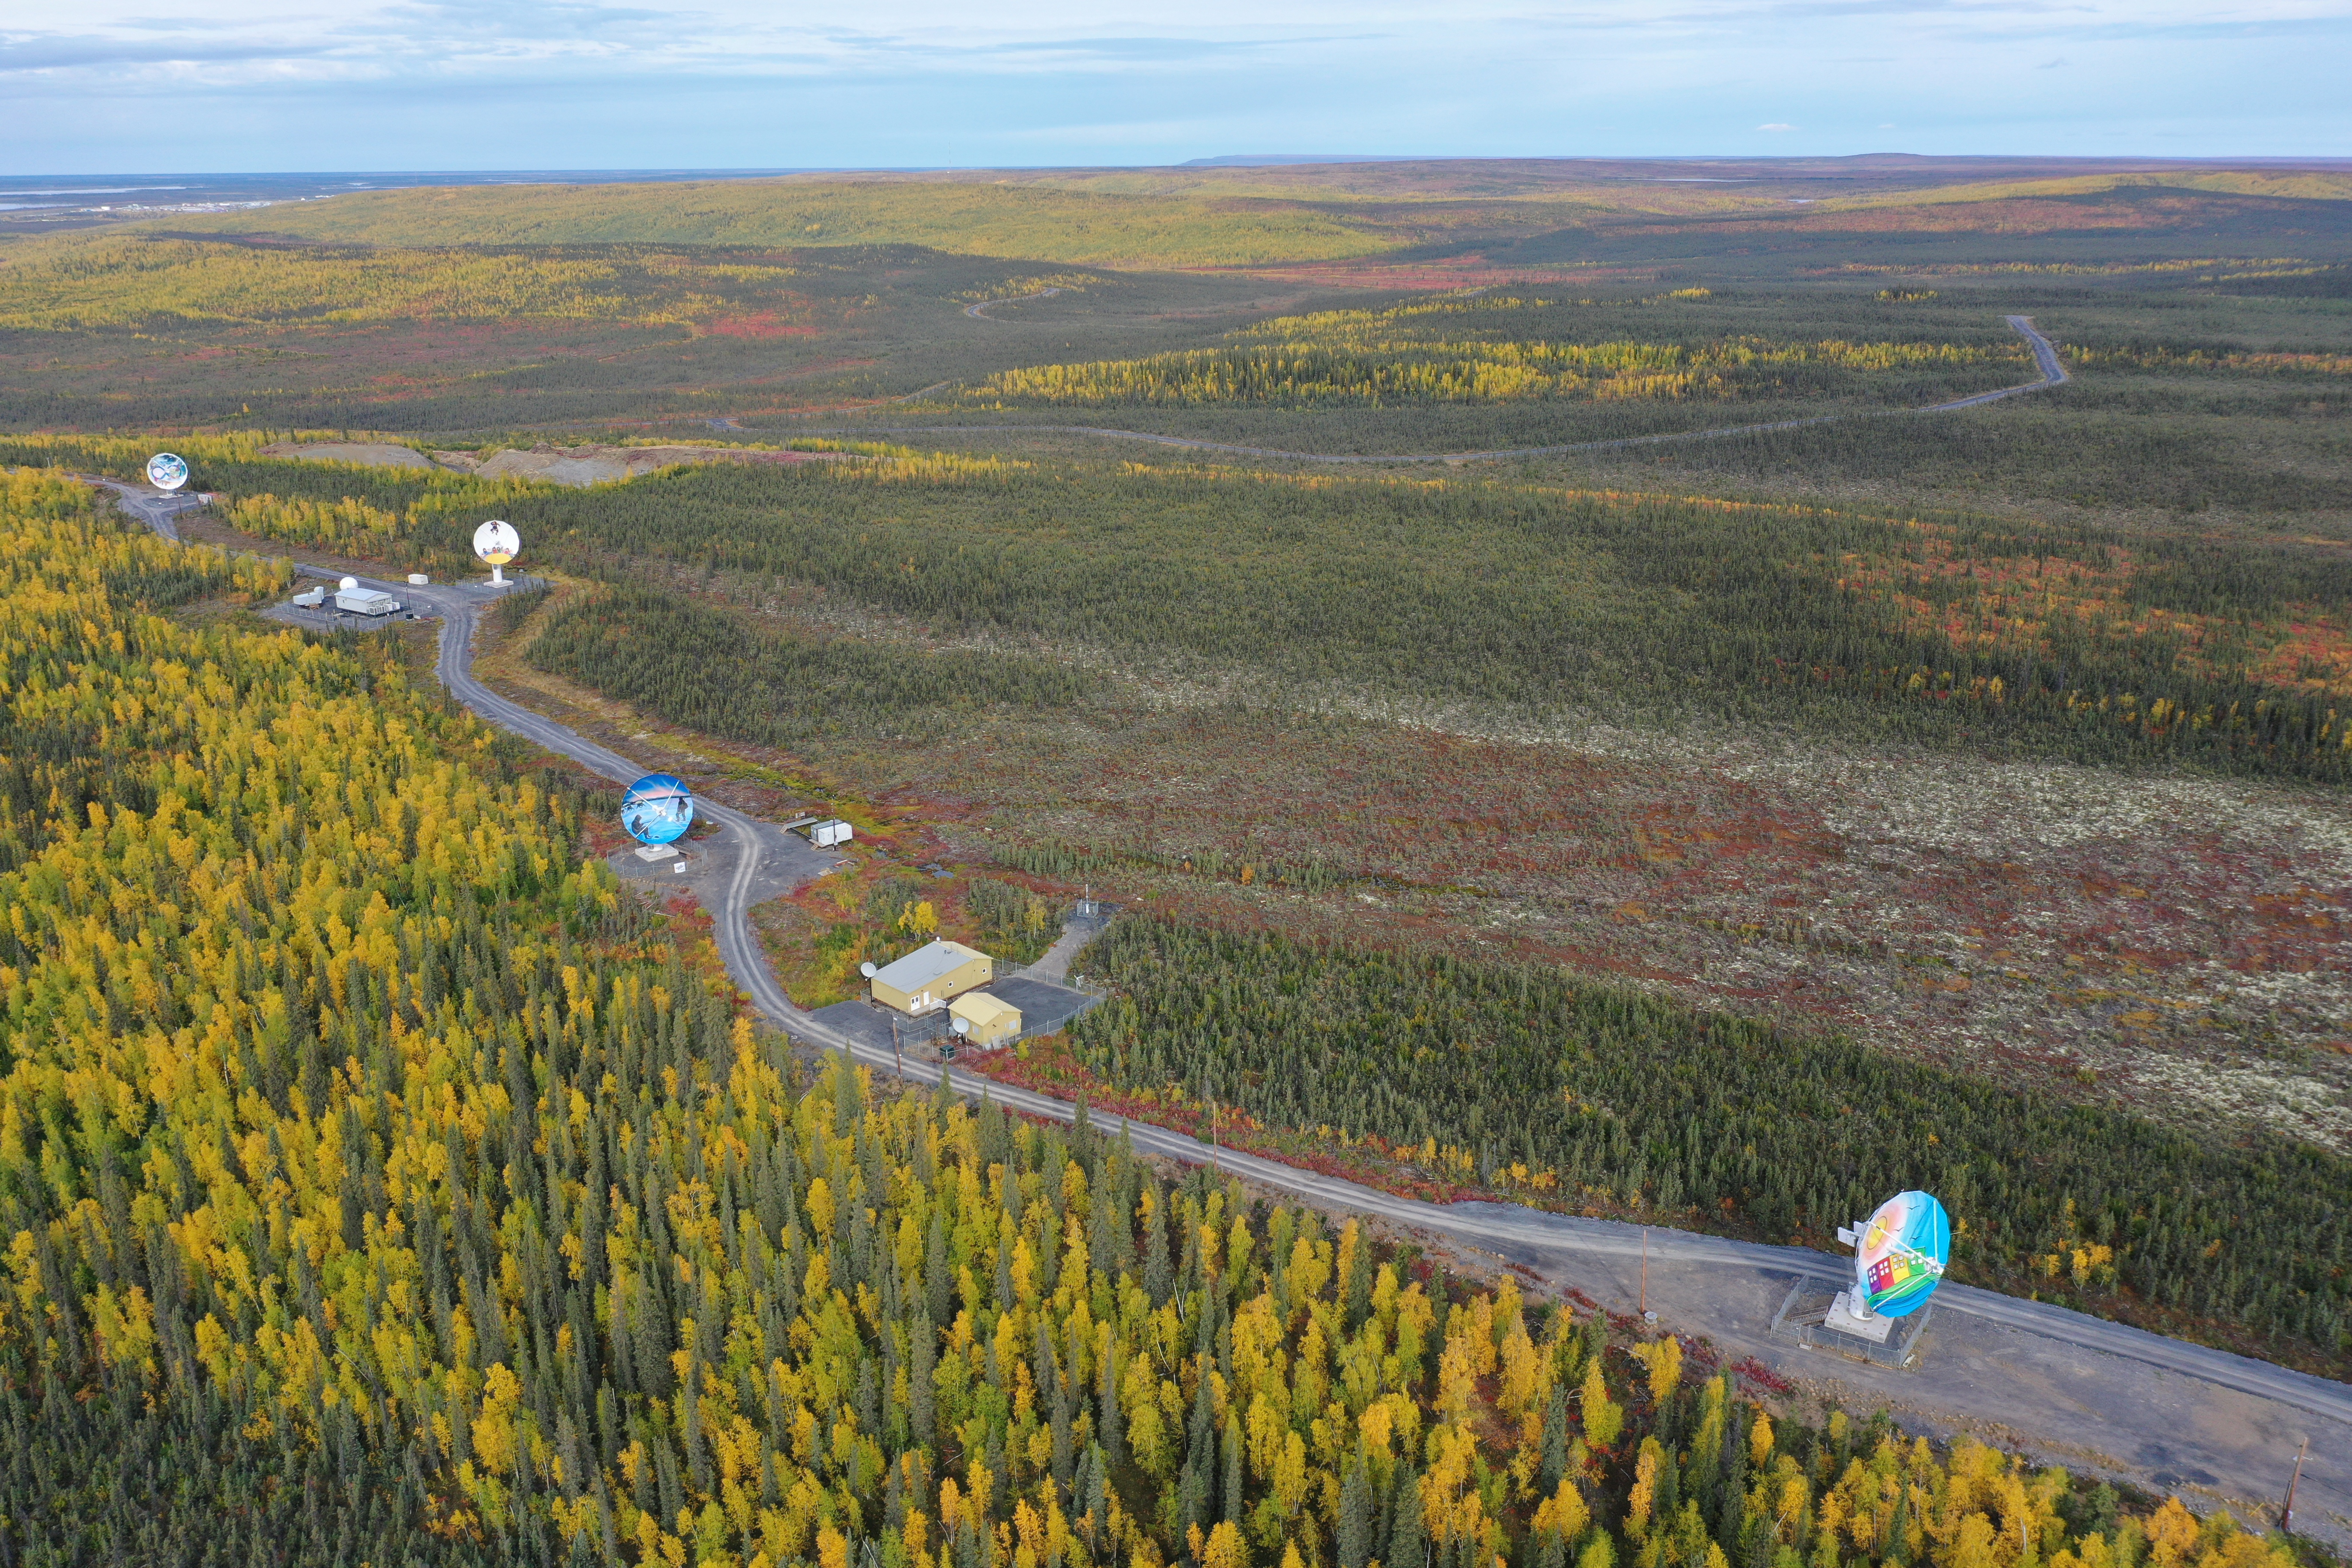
(117, 86)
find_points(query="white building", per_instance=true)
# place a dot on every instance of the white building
(362, 601)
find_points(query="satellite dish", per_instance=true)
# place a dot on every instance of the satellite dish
(349, 585)
(658, 809)
(867, 969)
(961, 1026)
(167, 472)
(497, 542)
(1900, 1256)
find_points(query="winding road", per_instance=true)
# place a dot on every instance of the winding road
(2080, 1389)
(2045, 359)
(980, 312)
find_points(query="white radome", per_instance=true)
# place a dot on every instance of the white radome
(348, 583)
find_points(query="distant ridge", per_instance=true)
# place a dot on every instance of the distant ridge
(1261, 160)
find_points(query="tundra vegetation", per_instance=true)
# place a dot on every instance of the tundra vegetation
(1950, 631)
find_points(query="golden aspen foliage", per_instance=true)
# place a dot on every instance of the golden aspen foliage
(1663, 1357)
(1456, 350)
(1603, 1418)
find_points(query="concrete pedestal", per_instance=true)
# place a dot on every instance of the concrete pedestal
(1842, 1318)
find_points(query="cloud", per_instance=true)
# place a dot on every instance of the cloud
(1146, 48)
(57, 52)
(362, 84)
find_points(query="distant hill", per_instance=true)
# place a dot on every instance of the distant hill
(963, 216)
(1254, 210)
(1264, 160)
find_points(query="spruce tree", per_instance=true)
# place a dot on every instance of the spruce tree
(938, 1280)
(1231, 1492)
(1408, 1542)
(922, 1365)
(1354, 1534)
(1110, 1428)
(1554, 1463)
(1158, 1279)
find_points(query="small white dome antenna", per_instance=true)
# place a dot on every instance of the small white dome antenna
(349, 585)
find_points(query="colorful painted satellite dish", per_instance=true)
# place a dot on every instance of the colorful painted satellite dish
(167, 470)
(497, 542)
(658, 809)
(1902, 1255)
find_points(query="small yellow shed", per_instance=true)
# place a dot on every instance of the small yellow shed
(988, 1021)
(931, 976)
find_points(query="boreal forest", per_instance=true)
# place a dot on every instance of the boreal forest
(1536, 738)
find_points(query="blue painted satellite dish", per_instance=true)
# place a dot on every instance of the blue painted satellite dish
(1901, 1254)
(658, 809)
(167, 470)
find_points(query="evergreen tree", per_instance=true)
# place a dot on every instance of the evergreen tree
(1408, 1542)
(1354, 1535)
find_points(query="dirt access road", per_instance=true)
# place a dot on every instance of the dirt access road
(2099, 1397)
(2045, 358)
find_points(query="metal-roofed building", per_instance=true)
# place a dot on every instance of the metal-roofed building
(362, 601)
(931, 976)
(988, 1021)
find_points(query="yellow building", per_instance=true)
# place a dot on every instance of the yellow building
(987, 1021)
(931, 976)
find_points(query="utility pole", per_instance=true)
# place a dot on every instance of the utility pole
(1210, 1083)
(1645, 1274)
(894, 1047)
(2287, 1514)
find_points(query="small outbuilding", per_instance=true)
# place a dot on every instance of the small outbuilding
(931, 976)
(988, 1021)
